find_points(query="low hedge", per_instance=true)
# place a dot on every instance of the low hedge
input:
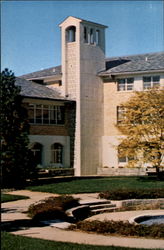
(125, 194)
(120, 228)
(52, 208)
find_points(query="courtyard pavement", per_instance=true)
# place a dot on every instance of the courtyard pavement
(15, 211)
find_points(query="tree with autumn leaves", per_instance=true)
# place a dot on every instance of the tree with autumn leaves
(143, 129)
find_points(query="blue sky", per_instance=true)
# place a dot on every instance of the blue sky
(30, 35)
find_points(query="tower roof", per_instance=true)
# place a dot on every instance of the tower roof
(69, 18)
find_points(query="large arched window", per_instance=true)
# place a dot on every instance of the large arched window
(71, 34)
(57, 153)
(37, 152)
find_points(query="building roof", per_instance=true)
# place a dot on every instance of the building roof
(115, 65)
(53, 71)
(33, 90)
(134, 64)
(82, 20)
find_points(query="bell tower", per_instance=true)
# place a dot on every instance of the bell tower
(83, 56)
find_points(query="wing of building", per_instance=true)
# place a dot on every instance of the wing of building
(73, 108)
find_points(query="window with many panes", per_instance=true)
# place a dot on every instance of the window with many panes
(46, 114)
(125, 84)
(120, 114)
(57, 153)
(150, 81)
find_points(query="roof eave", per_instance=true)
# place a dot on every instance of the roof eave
(44, 77)
(130, 72)
(46, 98)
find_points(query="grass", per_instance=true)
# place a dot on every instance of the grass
(15, 242)
(93, 185)
(10, 197)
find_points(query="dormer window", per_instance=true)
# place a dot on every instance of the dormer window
(71, 34)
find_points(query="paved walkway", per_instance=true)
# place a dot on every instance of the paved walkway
(13, 211)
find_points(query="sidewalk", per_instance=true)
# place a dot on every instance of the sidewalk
(13, 211)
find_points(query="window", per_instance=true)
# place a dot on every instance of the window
(85, 35)
(37, 152)
(150, 81)
(120, 114)
(71, 34)
(97, 37)
(125, 84)
(57, 153)
(46, 114)
(122, 158)
(91, 36)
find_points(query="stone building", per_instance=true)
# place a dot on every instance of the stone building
(73, 108)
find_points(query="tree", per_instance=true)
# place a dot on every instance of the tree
(16, 158)
(143, 128)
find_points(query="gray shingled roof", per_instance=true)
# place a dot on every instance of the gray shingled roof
(34, 90)
(135, 63)
(115, 65)
(43, 73)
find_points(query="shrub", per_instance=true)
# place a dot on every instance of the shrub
(52, 208)
(120, 228)
(124, 194)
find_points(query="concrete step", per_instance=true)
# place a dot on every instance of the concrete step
(99, 206)
(94, 202)
(103, 210)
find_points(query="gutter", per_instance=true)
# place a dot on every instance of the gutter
(56, 77)
(46, 98)
(130, 72)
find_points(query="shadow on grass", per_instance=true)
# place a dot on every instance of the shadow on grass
(8, 210)
(148, 178)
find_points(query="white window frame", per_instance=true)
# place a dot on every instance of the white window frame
(126, 84)
(57, 154)
(54, 114)
(151, 83)
(120, 114)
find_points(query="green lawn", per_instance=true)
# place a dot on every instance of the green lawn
(14, 242)
(9, 197)
(92, 185)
